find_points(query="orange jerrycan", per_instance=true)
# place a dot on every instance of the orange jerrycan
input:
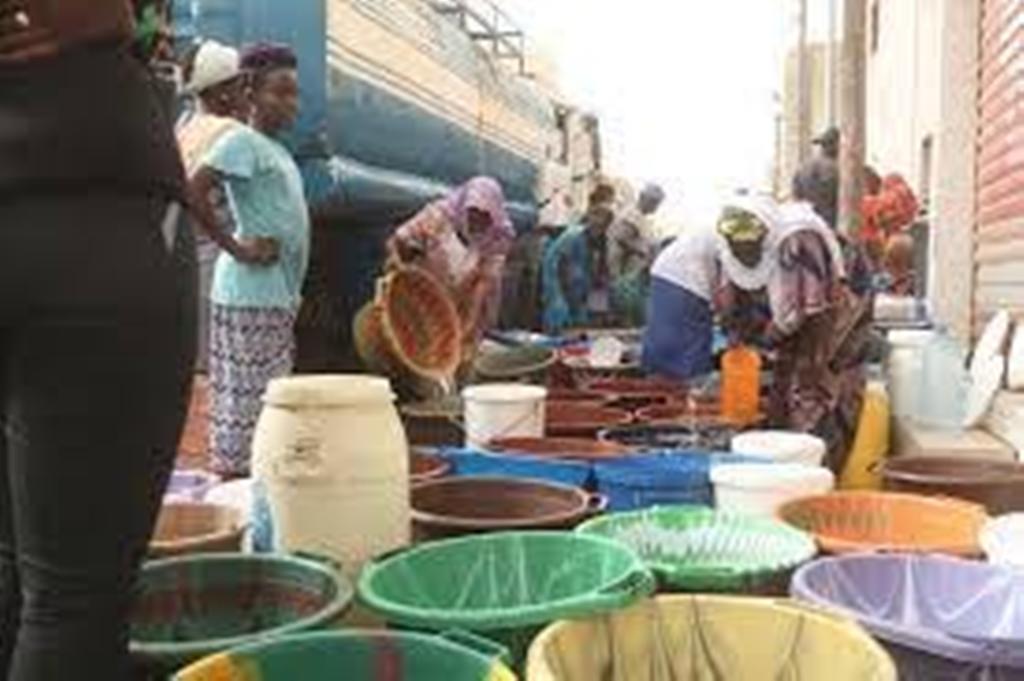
(741, 385)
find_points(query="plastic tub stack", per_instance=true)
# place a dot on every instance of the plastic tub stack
(579, 446)
(697, 549)
(553, 533)
(797, 472)
(190, 607)
(709, 637)
(940, 617)
(509, 585)
(330, 492)
(329, 656)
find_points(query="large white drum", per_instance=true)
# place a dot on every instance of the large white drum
(331, 461)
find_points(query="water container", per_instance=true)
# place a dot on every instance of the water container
(942, 390)
(760, 489)
(331, 459)
(863, 469)
(498, 410)
(903, 368)
(781, 446)
(741, 385)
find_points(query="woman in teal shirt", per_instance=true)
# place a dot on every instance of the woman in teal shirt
(574, 273)
(257, 284)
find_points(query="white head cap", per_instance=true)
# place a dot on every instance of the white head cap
(214, 64)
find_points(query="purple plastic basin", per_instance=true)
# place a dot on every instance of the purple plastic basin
(960, 610)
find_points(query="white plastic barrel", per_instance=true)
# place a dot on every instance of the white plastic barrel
(760, 489)
(331, 462)
(503, 410)
(782, 446)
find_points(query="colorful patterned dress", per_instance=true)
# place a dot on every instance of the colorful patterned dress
(823, 329)
(254, 306)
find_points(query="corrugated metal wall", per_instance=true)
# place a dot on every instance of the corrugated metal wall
(999, 255)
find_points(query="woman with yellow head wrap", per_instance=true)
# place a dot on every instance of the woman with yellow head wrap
(687, 276)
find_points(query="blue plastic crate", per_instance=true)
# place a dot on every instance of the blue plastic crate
(474, 462)
(665, 478)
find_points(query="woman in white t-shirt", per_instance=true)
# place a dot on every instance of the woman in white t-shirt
(686, 276)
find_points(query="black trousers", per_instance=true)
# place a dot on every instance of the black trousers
(97, 319)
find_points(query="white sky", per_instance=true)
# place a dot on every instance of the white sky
(684, 88)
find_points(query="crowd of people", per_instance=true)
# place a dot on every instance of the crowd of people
(595, 273)
(111, 230)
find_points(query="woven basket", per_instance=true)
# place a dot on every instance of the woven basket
(698, 549)
(847, 522)
(370, 342)
(192, 527)
(412, 324)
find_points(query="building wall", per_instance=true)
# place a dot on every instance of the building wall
(904, 76)
(954, 196)
(922, 85)
(789, 148)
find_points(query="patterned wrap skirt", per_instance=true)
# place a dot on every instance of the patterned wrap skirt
(248, 348)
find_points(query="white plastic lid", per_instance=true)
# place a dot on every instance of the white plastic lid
(504, 392)
(327, 390)
(910, 338)
(778, 443)
(774, 475)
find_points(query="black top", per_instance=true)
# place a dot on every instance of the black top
(817, 181)
(91, 118)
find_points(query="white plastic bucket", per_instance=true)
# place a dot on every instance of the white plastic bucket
(1002, 539)
(760, 489)
(781, 446)
(502, 410)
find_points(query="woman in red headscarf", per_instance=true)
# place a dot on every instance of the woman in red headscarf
(887, 212)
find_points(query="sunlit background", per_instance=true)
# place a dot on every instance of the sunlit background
(685, 90)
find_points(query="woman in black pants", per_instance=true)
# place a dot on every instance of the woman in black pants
(97, 336)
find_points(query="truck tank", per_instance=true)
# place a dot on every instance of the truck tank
(401, 99)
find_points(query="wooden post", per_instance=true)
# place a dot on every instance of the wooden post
(852, 114)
